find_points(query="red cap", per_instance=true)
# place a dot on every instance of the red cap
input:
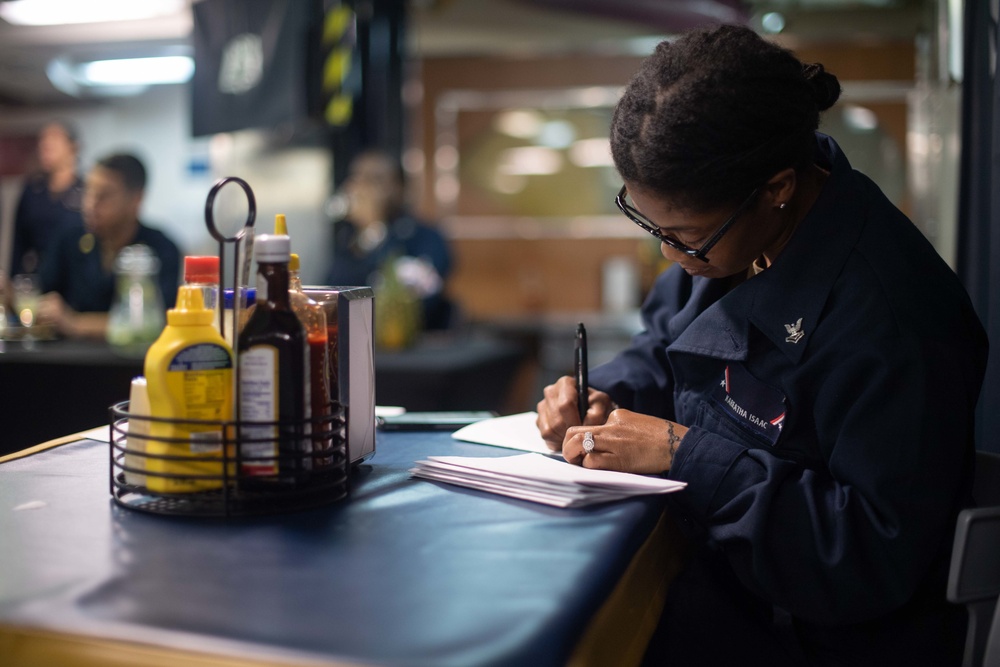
(201, 269)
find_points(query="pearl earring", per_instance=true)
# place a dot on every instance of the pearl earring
(782, 206)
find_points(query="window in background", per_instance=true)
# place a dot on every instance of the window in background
(539, 158)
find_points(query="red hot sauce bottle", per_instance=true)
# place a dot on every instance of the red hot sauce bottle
(313, 318)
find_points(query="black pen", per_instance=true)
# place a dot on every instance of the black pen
(582, 399)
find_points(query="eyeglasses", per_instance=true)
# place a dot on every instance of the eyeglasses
(698, 253)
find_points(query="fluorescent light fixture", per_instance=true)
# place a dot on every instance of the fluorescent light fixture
(120, 77)
(137, 71)
(61, 12)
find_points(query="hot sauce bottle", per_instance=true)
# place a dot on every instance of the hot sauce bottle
(274, 387)
(313, 318)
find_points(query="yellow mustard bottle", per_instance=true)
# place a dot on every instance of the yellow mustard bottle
(189, 376)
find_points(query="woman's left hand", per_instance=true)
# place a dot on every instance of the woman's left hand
(628, 442)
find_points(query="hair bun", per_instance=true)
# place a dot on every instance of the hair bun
(825, 86)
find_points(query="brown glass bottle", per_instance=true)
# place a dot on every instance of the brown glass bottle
(274, 386)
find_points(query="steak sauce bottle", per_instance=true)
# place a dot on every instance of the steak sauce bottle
(274, 386)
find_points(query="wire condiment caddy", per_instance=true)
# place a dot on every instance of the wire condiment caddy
(219, 470)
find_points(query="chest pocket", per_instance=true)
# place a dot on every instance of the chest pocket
(742, 405)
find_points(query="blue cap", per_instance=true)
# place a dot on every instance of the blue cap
(227, 297)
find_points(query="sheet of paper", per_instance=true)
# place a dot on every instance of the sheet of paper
(541, 479)
(513, 432)
(544, 469)
(554, 499)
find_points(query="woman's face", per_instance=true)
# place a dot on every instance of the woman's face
(55, 149)
(373, 189)
(752, 232)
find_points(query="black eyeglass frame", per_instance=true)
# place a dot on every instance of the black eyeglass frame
(698, 253)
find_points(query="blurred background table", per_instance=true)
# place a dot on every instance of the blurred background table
(449, 372)
(51, 388)
(547, 341)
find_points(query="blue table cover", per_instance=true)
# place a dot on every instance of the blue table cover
(403, 572)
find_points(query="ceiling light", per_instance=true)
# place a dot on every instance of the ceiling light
(138, 71)
(122, 76)
(60, 12)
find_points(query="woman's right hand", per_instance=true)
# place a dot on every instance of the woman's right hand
(558, 411)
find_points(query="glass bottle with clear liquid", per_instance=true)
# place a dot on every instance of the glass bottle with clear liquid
(137, 315)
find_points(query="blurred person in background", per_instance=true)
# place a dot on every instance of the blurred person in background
(377, 227)
(51, 199)
(77, 276)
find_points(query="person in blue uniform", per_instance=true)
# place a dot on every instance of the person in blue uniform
(51, 199)
(77, 275)
(809, 367)
(377, 227)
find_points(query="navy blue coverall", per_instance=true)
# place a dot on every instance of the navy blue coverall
(830, 401)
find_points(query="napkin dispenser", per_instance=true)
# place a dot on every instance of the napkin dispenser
(351, 311)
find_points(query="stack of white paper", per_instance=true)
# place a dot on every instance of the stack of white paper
(513, 431)
(541, 479)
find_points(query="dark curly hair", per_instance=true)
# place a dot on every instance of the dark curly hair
(714, 114)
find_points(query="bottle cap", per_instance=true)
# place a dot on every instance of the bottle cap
(199, 269)
(280, 226)
(293, 262)
(271, 248)
(227, 297)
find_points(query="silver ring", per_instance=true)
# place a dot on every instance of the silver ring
(588, 442)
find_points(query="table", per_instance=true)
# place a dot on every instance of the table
(405, 572)
(51, 388)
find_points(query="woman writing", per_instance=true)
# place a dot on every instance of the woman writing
(809, 366)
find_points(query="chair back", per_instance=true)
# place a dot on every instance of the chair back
(974, 578)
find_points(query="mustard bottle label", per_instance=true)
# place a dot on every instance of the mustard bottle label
(201, 374)
(199, 378)
(259, 402)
